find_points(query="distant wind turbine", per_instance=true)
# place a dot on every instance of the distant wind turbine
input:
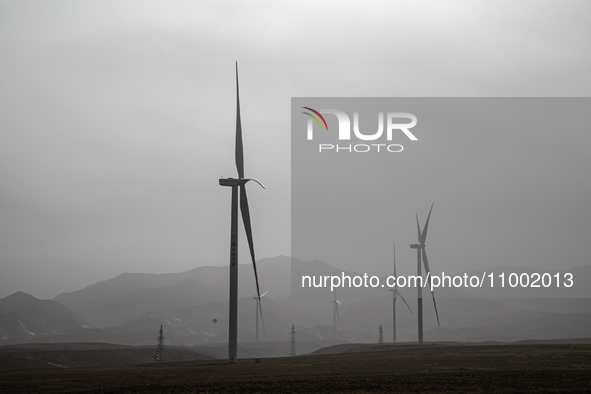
(395, 292)
(420, 247)
(240, 182)
(258, 310)
(335, 315)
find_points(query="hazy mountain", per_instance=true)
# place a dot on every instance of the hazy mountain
(274, 274)
(43, 316)
(550, 305)
(118, 286)
(114, 310)
(13, 326)
(192, 307)
(549, 326)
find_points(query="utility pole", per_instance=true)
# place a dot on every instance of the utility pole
(159, 357)
(293, 332)
(381, 339)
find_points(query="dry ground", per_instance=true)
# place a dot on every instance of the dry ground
(52, 355)
(408, 369)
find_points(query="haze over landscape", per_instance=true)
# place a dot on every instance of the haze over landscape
(192, 307)
(117, 262)
(117, 121)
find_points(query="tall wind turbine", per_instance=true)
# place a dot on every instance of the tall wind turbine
(258, 301)
(239, 182)
(420, 247)
(335, 315)
(395, 292)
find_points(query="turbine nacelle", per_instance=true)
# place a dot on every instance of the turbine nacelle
(237, 181)
(417, 246)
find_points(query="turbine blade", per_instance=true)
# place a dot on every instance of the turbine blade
(418, 228)
(254, 180)
(426, 263)
(239, 147)
(247, 227)
(426, 226)
(401, 296)
(394, 260)
(262, 295)
(339, 302)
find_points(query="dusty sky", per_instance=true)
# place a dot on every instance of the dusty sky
(117, 117)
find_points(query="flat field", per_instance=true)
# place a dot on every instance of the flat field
(391, 369)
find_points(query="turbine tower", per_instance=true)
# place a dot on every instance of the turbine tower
(381, 338)
(293, 332)
(420, 247)
(258, 301)
(240, 182)
(335, 315)
(396, 292)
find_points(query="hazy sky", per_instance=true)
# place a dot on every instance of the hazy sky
(117, 117)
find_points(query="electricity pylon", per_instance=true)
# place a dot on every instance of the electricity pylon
(159, 357)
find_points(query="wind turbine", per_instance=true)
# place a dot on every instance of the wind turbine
(395, 292)
(258, 301)
(240, 182)
(420, 247)
(335, 315)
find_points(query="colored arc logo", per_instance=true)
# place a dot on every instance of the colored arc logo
(315, 118)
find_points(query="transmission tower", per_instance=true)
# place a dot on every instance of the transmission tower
(293, 332)
(159, 357)
(381, 340)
